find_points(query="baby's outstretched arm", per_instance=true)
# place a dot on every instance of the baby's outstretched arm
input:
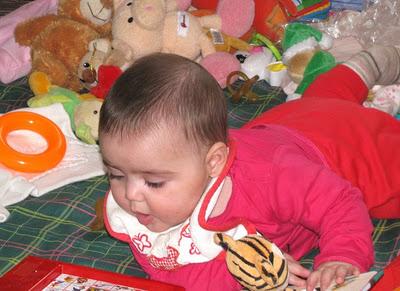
(321, 201)
(328, 272)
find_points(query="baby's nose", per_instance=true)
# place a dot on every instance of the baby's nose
(134, 193)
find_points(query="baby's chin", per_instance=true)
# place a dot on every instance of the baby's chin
(158, 227)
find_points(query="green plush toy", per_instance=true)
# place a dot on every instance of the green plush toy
(304, 54)
(83, 110)
(321, 62)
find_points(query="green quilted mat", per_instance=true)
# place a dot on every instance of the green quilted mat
(56, 225)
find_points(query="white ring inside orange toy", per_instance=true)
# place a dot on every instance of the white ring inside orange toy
(32, 163)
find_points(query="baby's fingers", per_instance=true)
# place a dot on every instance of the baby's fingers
(299, 270)
(297, 281)
(343, 271)
(297, 273)
(322, 278)
(327, 276)
(312, 281)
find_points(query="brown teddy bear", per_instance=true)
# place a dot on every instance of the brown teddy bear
(59, 42)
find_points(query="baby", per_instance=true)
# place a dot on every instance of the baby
(306, 174)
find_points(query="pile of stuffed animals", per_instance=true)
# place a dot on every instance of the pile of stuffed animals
(88, 43)
(85, 34)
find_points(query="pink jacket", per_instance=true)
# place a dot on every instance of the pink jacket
(283, 186)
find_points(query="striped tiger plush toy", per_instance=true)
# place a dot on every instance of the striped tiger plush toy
(255, 262)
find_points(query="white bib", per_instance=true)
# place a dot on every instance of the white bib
(182, 244)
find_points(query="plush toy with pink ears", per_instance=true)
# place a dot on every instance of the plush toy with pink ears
(236, 16)
(181, 5)
(143, 27)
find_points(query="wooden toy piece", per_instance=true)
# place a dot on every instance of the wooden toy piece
(244, 89)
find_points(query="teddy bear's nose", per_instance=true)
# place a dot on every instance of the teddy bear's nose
(89, 75)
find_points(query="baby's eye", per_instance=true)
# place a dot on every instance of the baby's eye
(154, 184)
(114, 177)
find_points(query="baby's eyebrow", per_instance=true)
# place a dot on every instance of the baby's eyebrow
(105, 162)
(108, 164)
(166, 173)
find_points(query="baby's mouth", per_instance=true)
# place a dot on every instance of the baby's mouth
(143, 219)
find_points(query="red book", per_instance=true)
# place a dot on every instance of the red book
(35, 273)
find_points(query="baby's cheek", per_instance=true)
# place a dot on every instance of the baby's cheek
(119, 196)
(175, 212)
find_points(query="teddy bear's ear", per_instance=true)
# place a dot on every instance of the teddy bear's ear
(149, 14)
(95, 12)
(107, 3)
(117, 3)
(100, 44)
(177, 5)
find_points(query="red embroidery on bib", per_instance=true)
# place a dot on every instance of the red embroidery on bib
(194, 250)
(185, 232)
(141, 241)
(166, 263)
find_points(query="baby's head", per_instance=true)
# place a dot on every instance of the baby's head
(166, 90)
(163, 134)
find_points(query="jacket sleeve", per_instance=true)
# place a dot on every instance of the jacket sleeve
(308, 193)
(209, 276)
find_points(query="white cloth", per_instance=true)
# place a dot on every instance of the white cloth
(386, 99)
(185, 243)
(12, 190)
(81, 161)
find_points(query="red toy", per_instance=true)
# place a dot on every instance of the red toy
(269, 19)
(271, 15)
(35, 273)
(107, 75)
(205, 4)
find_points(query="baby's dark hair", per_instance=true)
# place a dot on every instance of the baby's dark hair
(166, 89)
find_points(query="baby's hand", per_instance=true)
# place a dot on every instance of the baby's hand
(329, 271)
(297, 273)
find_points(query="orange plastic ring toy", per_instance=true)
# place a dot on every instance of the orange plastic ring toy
(32, 163)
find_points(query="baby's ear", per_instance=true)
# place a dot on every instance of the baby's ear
(216, 158)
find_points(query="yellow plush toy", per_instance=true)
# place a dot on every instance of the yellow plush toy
(255, 262)
(58, 42)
